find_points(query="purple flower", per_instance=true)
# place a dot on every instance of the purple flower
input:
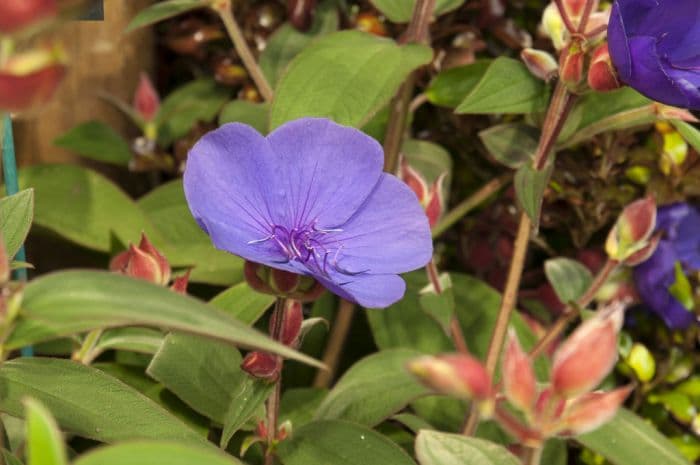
(654, 46)
(310, 198)
(680, 223)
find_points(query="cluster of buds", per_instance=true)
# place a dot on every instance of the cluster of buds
(632, 240)
(281, 283)
(432, 197)
(563, 406)
(147, 263)
(28, 76)
(285, 327)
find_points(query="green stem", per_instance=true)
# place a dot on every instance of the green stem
(86, 353)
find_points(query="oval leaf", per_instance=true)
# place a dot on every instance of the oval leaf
(97, 141)
(401, 11)
(155, 453)
(569, 278)
(16, 213)
(511, 144)
(529, 184)
(163, 10)
(436, 448)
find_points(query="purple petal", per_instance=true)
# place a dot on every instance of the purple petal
(389, 234)
(370, 291)
(617, 44)
(328, 170)
(635, 14)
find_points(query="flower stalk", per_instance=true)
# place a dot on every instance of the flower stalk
(336, 341)
(272, 404)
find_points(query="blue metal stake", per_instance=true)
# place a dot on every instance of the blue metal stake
(9, 172)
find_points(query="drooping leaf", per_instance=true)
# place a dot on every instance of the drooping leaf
(250, 113)
(163, 10)
(569, 278)
(436, 448)
(69, 302)
(400, 11)
(44, 441)
(512, 144)
(155, 453)
(16, 214)
(346, 76)
(340, 443)
(530, 184)
(142, 340)
(97, 141)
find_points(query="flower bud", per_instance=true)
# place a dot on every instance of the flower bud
(17, 14)
(642, 362)
(457, 375)
(180, 283)
(571, 64)
(519, 383)
(589, 354)
(143, 262)
(592, 410)
(146, 99)
(415, 181)
(675, 149)
(602, 76)
(540, 63)
(643, 254)
(435, 204)
(292, 318)
(574, 9)
(262, 365)
(300, 13)
(281, 283)
(553, 26)
(633, 229)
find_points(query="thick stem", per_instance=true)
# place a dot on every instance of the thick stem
(234, 31)
(336, 341)
(571, 311)
(272, 405)
(470, 203)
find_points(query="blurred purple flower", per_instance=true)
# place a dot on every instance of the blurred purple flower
(680, 223)
(310, 198)
(654, 46)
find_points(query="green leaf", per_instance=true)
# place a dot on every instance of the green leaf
(340, 443)
(242, 302)
(69, 302)
(83, 206)
(429, 159)
(439, 306)
(690, 133)
(163, 10)
(450, 87)
(507, 86)
(142, 340)
(346, 76)
(400, 11)
(248, 397)
(511, 144)
(681, 289)
(9, 459)
(299, 405)
(629, 440)
(373, 389)
(250, 113)
(436, 448)
(199, 100)
(569, 278)
(530, 184)
(44, 441)
(96, 141)
(286, 42)
(155, 453)
(16, 213)
(87, 401)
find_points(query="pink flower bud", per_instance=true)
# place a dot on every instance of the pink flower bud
(540, 63)
(588, 355)
(146, 99)
(519, 383)
(292, 318)
(435, 205)
(571, 64)
(593, 409)
(549, 407)
(456, 375)
(602, 76)
(644, 253)
(262, 365)
(30, 79)
(163, 264)
(17, 14)
(413, 179)
(281, 283)
(143, 262)
(632, 230)
(180, 283)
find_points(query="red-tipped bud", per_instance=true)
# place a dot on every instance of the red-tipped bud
(602, 76)
(549, 407)
(281, 283)
(643, 254)
(456, 375)
(18, 14)
(592, 410)
(519, 383)
(413, 179)
(300, 13)
(143, 262)
(180, 283)
(571, 65)
(163, 264)
(633, 229)
(262, 365)
(540, 63)
(292, 318)
(146, 99)
(589, 354)
(435, 204)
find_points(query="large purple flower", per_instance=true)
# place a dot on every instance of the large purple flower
(680, 224)
(310, 198)
(654, 46)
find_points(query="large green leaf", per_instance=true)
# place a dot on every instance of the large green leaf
(346, 76)
(436, 448)
(400, 11)
(44, 441)
(87, 401)
(199, 100)
(16, 213)
(141, 340)
(97, 141)
(250, 113)
(373, 389)
(243, 302)
(507, 86)
(83, 206)
(451, 86)
(163, 10)
(69, 302)
(332, 442)
(630, 440)
(155, 453)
